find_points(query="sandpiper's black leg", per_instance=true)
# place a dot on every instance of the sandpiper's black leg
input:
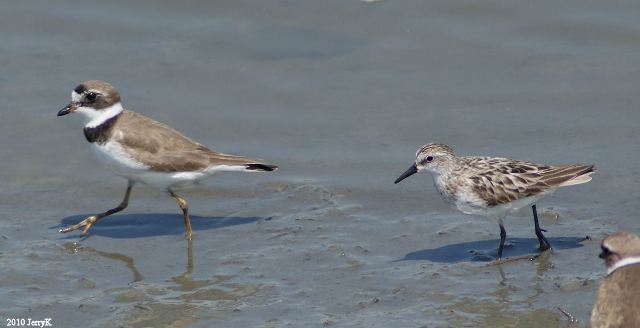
(544, 243)
(185, 211)
(503, 237)
(88, 222)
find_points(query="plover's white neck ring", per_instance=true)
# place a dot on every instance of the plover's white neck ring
(624, 262)
(97, 117)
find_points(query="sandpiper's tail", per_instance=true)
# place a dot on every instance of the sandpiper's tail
(568, 175)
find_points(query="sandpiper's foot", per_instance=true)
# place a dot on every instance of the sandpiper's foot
(542, 240)
(86, 223)
(544, 245)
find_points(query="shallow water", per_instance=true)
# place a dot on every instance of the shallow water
(339, 94)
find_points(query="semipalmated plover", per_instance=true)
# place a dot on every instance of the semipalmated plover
(494, 187)
(618, 300)
(143, 150)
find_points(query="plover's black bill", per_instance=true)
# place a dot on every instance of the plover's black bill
(67, 109)
(409, 172)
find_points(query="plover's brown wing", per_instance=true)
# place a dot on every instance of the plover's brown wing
(618, 301)
(501, 181)
(164, 149)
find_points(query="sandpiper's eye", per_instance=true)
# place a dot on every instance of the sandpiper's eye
(91, 96)
(429, 158)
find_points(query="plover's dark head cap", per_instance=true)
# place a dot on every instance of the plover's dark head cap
(94, 99)
(95, 94)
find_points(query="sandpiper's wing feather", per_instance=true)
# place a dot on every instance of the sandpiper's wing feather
(502, 180)
(164, 149)
(567, 175)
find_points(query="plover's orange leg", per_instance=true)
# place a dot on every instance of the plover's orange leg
(542, 240)
(88, 222)
(185, 211)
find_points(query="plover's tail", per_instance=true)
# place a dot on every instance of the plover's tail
(260, 167)
(568, 175)
(245, 167)
(226, 162)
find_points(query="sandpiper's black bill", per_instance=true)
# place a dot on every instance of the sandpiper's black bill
(68, 109)
(409, 172)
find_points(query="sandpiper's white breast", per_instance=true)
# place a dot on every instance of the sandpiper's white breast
(467, 200)
(474, 206)
(446, 191)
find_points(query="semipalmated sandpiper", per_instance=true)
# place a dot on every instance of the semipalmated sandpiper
(492, 186)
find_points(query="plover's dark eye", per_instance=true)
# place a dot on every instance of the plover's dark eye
(429, 158)
(91, 96)
(605, 252)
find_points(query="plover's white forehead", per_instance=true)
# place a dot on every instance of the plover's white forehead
(75, 97)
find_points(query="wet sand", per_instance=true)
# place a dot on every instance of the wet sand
(339, 94)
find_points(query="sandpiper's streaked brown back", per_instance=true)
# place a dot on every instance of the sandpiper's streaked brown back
(499, 181)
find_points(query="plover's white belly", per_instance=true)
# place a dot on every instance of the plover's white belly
(176, 180)
(114, 157)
